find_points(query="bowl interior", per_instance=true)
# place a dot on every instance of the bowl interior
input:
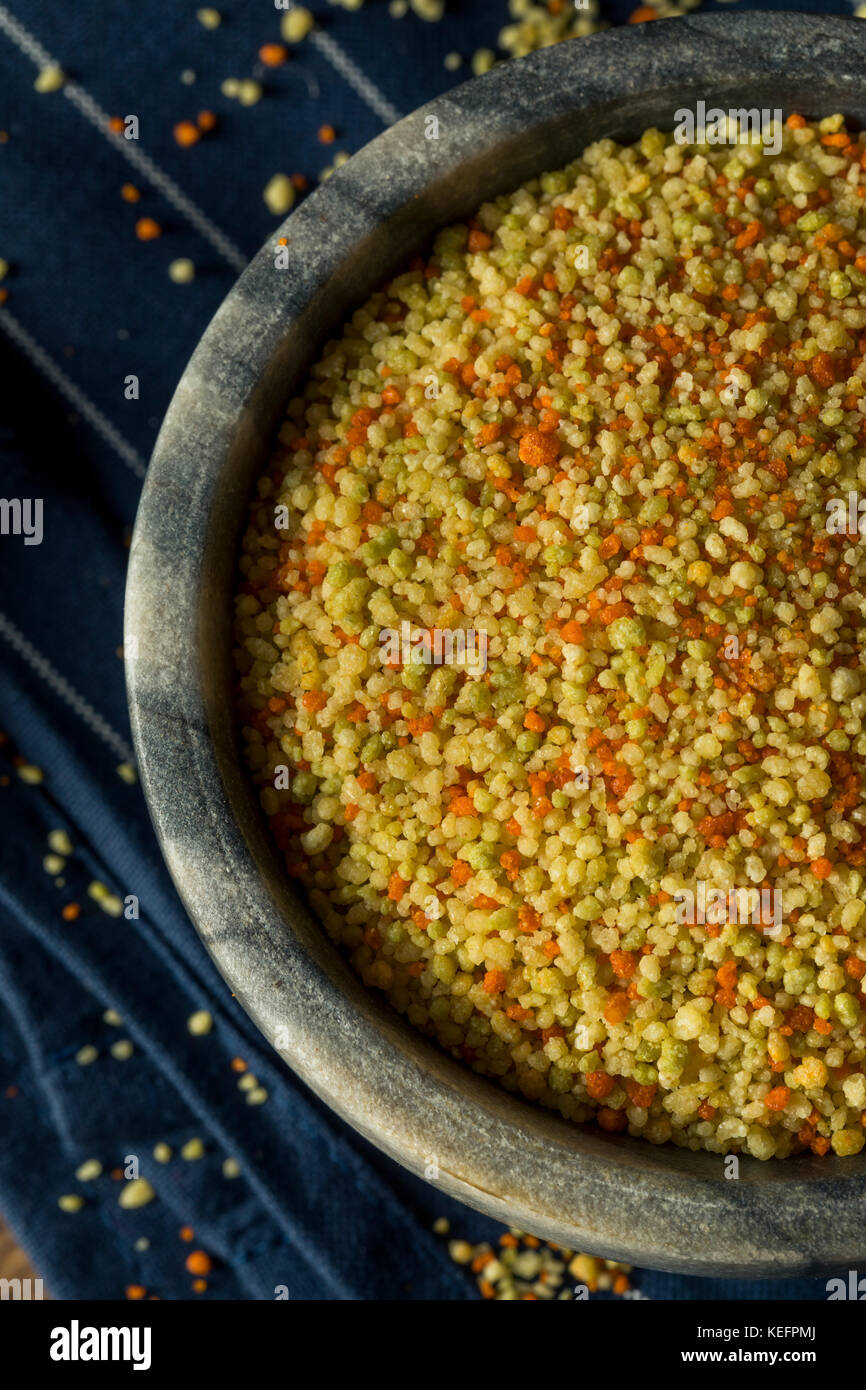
(609, 1193)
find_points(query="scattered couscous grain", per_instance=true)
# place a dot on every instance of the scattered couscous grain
(604, 424)
(279, 194)
(50, 79)
(431, 10)
(296, 24)
(483, 59)
(249, 92)
(186, 133)
(199, 1023)
(104, 898)
(181, 271)
(273, 55)
(538, 25)
(526, 1268)
(199, 1262)
(147, 229)
(89, 1170)
(136, 1192)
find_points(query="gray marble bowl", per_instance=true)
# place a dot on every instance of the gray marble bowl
(610, 1194)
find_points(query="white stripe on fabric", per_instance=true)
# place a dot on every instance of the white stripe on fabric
(60, 685)
(93, 112)
(76, 397)
(356, 78)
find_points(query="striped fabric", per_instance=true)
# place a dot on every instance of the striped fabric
(90, 305)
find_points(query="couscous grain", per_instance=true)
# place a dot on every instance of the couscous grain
(605, 424)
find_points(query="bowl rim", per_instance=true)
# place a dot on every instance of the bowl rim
(666, 1208)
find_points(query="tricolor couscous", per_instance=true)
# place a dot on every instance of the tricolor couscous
(607, 424)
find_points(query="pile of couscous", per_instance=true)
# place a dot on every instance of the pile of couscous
(606, 424)
(526, 1268)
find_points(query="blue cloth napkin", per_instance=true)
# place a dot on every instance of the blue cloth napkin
(96, 1058)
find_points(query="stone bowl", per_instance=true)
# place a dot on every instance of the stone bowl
(614, 1195)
